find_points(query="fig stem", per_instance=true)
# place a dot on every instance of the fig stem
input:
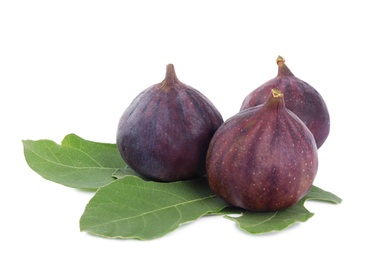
(280, 59)
(277, 93)
(275, 100)
(170, 76)
(283, 70)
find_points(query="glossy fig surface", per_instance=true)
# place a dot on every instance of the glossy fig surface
(165, 132)
(300, 97)
(263, 158)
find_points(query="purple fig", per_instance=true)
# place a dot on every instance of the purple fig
(263, 158)
(300, 98)
(165, 132)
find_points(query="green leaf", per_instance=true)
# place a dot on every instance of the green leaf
(76, 163)
(262, 222)
(124, 172)
(126, 206)
(316, 193)
(133, 208)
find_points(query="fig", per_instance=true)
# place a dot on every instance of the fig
(165, 132)
(300, 97)
(264, 158)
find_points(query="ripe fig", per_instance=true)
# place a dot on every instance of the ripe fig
(165, 132)
(263, 158)
(300, 98)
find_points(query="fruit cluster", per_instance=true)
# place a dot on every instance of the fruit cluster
(263, 158)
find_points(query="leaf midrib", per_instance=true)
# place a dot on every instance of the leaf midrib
(154, 211)
(73, 166)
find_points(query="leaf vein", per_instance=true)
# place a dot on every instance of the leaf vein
(57, 162)
(155, 211)
(264, 221)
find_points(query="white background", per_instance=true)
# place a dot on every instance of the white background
(74, 66)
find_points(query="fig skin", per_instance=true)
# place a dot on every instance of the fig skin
(300, 97)
(263, 158)
(165, 132)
